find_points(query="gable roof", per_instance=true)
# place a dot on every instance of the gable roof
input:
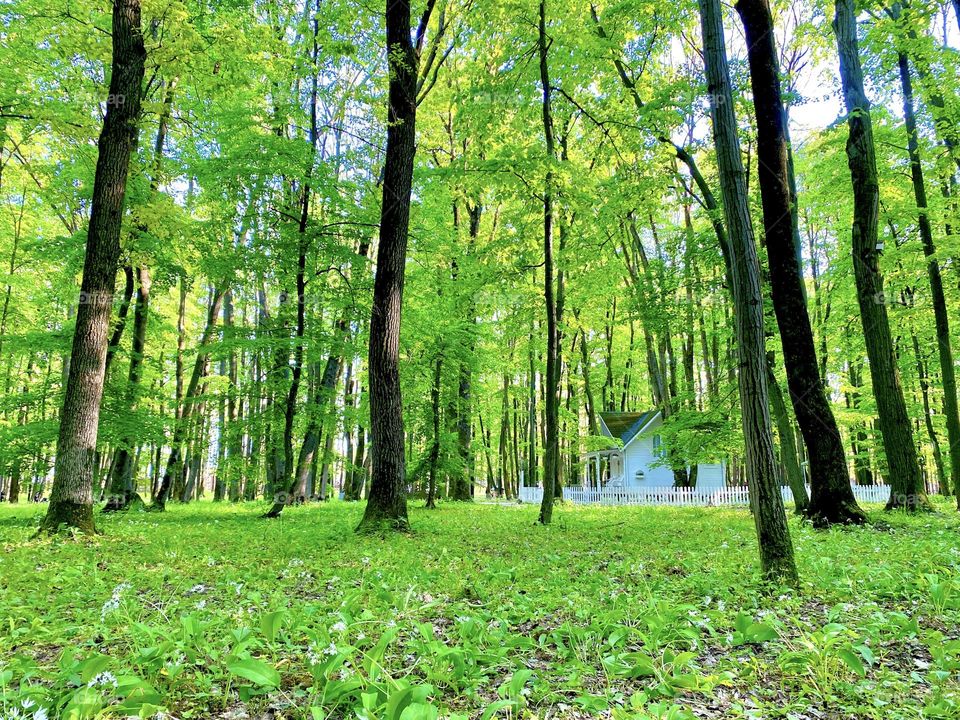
(626, 426)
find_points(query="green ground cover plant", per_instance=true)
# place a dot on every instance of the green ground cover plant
(612, 612)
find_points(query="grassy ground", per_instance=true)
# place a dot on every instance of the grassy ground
(209, 612)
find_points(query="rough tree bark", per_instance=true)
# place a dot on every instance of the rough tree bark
(387, 498)
(937, 297)
(831, 497)
(71, 498)
(906, 485)
(776, 548)
(552, 384)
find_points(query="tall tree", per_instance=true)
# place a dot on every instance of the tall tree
(776, 548)
(937, 296)
(831, 497)
(906, 486)
(551, 450)
(387, 499)
(71, 498)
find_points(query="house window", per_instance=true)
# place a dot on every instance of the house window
(639, 476)
(657, 446)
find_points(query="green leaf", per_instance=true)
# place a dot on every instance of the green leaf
(495, 707)
(255, 671)
(271, 622)
(397, 702)
(852, 661)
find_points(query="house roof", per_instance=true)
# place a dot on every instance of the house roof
(625, 426)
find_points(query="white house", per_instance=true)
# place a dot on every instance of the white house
(634, 463)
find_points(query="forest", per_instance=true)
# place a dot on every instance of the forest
(331, 332)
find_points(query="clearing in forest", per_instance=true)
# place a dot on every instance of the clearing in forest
(208, 612)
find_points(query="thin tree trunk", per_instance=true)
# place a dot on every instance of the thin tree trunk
(322, 403)
(435, 443)
(175, 460)
(587, 389)
(788, 442)
(387, 498)
(906, 485)
(120, 325)
(832, 499)
(927, 415)
(122, 491)
(776, 549)
(71, 500)
(551, 387)
(941, 319)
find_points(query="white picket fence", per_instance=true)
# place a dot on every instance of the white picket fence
(706, 497)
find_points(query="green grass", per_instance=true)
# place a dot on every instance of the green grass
(209, 612)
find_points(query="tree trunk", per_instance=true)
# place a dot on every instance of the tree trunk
(435, 423)
(927, 416)
(323, 401)
(906, 485)
(551, 388)
(788, 443)
(71, 499)
(387, 498)
(122, 490)
(120, 325)
(937, 297)
(832, 499)
(587, 388)
(776, 549)
(175, 466)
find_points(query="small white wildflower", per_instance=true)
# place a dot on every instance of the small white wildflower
(338, 626)
(103, 679)
(361, 636)
(330, 649)
(211, 562)
(40, 714)
(313, 654)
(391, 623)
(721, 605)
(201, 604)
(109, 606)
(177, 660)
(198, 589)
(365, 561)
(707, 600)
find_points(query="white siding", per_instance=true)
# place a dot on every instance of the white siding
(710, 475)
(639, 455)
